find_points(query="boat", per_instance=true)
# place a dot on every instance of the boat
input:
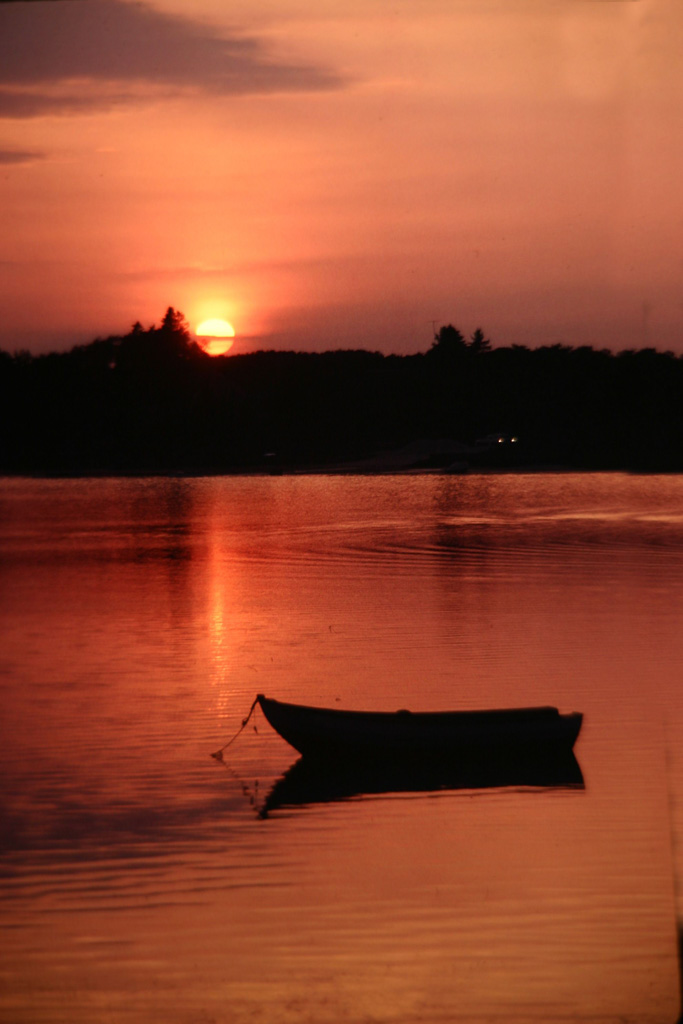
(422, 737)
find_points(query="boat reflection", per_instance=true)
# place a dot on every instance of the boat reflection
(310, 781)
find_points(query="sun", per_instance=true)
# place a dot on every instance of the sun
(215, 336)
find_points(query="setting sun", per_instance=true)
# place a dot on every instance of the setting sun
(215, 336)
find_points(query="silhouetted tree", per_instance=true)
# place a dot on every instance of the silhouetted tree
(174, 322)
(448, 343)
(175, 334)
(479, 342)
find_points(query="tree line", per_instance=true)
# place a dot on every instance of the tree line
(153, 401)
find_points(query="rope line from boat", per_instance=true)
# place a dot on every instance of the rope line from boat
(218, 754)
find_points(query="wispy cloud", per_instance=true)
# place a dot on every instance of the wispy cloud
(189, 273)
(74, 57)
(19, 156)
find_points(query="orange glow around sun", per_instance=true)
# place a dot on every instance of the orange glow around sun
(215, 336)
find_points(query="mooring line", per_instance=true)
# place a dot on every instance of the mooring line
(218, 754)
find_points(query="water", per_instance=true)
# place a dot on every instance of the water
(139, 618)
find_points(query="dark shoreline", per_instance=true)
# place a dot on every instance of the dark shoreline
(192, 474)
(151, 403)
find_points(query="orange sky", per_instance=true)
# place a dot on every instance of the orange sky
(341, 173)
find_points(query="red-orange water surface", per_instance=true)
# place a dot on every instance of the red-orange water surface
(139, 619)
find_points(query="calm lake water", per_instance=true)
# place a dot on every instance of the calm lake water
(139, 618)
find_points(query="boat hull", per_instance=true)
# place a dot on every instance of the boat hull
(421, 737)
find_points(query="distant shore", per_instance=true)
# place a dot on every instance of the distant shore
(152, 403)
(323, 470)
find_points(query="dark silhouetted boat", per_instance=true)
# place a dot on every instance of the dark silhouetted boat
(406, 738)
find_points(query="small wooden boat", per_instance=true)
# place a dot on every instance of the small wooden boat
(424, 736)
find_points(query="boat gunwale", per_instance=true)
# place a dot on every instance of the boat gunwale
(545, 710)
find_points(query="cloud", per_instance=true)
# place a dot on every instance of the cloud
(19, 156)
(75, 57)
(187, 273)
